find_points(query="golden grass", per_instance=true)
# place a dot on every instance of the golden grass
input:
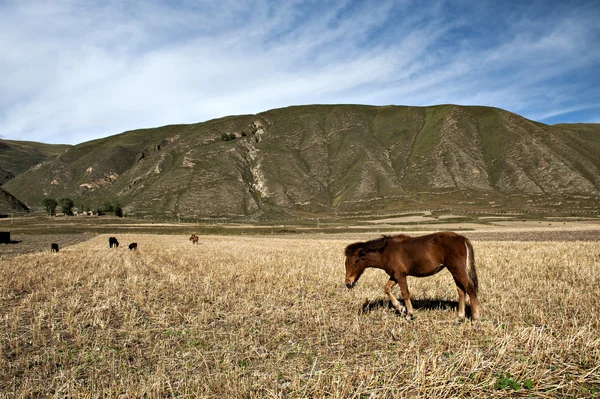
(242, 317)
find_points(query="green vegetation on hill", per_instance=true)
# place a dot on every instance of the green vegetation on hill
(9, 204)
(586, 139)
(16, 157)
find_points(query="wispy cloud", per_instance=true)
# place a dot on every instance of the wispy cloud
(72, 71)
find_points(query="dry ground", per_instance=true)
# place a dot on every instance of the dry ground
(241, 317)
(29, 243)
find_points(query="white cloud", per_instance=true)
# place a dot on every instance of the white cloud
(72, 72)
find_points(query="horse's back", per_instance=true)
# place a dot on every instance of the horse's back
(415, 250)
(441, 238)
(448, 236)
(437, 247)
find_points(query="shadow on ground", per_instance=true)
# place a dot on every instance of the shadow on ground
(418, 304)
(11, 242)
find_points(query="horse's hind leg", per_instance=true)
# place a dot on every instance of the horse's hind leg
(461, 302)
(474, 305)
(464, 285)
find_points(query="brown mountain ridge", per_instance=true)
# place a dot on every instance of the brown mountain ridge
(328, 159)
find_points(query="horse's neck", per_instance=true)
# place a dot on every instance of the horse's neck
(374, 259)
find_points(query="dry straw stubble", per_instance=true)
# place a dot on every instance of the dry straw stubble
(270, 317)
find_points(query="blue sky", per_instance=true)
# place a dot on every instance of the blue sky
(72, 71)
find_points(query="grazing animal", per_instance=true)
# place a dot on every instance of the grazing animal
(54, 247)
(194, 239)
(112, 242)
(133, 246)
(400, 256)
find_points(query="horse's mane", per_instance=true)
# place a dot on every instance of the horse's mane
(377, 245)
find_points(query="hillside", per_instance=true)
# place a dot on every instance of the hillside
(16, 157)
(327, 159)
(9, 204)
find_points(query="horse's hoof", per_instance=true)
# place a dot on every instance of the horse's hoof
(409, 317)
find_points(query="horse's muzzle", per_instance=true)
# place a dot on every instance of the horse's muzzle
(350, 285)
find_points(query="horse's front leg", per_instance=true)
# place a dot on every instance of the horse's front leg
(388, 291)
(405, 295)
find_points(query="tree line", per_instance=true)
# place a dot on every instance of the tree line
(67, 204)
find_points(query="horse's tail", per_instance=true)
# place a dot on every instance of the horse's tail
(470, 265)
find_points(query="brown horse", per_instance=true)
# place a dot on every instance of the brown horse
(194, 239)
(400, 256)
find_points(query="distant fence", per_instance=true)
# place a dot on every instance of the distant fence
(4, 237)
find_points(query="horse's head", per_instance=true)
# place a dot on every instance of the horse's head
(355, 266)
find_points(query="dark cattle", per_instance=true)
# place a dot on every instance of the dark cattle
(400, 256)
(4, 236)
(133, 246)
(54, 247)
(112, 242)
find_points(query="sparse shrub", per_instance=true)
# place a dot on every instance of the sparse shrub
(507, 381)
(118, 211)
(225, 137)
(232, 136)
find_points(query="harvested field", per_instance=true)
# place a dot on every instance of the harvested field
(30, 243)
(404, 219)
(534, 235)
(245, 317)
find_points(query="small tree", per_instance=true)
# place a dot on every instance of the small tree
(66, 204)
(50, 205)
(225, 137)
